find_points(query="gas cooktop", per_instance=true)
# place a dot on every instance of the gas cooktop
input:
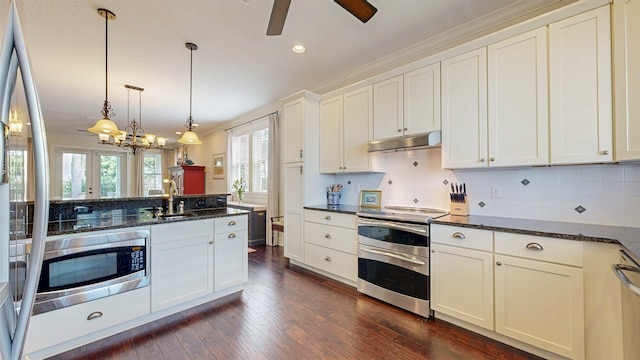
(403, 213)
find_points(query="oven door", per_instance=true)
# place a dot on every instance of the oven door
(406, 238)
(394, 277)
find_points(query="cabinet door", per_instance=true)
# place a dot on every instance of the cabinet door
(293, 239)
(541, 304)
(462, 284)
(230, 259)
(182, 270)
(422, 100)
(357, 130)
(388, 108)
(580, 88)
(626, 30)
(464, 110)
(331, 121)
(517, 83)
(293, 120)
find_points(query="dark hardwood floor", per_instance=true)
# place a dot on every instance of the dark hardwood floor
(286, 312)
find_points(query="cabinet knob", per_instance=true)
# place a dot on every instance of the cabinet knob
(405, 129)
(94, 315)
(433, 250)
(328, 259)
(458, 235)
(231, 236)
(605, 152)
(300, 153)
(499, 263)
(482, 160)
(231, 223)
(492, 159)
(399, 130)
(327, 236)
(534, 246)
(328, 217)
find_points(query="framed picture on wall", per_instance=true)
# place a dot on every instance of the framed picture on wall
(370, 198)
(218, 166)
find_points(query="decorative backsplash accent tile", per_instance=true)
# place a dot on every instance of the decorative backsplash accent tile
(415, 201)
(349, 182)
(445, 181)
(580, 209)
(482, 204)
(390, 182)
(415, 163)
(525, 182)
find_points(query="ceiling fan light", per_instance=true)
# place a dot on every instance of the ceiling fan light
(189, 137)
(105, 126)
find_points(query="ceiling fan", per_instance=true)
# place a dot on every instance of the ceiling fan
(361, 9)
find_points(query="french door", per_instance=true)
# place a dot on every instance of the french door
(86, 174)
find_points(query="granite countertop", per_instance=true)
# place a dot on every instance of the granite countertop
(243, 205)
(115, 219)
(628, 237)
(344, 209)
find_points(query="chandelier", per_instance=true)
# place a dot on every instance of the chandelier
(133, 136)
(15, 123)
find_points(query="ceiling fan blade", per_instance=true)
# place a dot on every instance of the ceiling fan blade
(361, 9)
(278, 16)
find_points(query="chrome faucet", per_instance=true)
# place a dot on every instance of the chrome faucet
(172, 190)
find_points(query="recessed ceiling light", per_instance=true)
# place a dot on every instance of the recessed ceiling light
(298, 49)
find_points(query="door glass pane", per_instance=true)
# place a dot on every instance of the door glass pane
(110, 176)
(74, 176)
(18, 175)
(152, 178)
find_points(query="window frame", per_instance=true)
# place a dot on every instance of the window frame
(249, 129)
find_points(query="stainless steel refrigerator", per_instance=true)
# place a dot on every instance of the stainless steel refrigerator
(13, 56)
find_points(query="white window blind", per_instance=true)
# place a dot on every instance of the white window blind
(260, 160)
(250, 157)
(240, 158)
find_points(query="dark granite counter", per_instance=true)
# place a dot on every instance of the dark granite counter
(344, 209)
(627, 236)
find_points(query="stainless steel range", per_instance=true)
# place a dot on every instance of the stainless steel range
(393, 255)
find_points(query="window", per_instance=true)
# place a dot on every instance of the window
(86, 174)
(250, 157)
(18, 161)
(152, 172)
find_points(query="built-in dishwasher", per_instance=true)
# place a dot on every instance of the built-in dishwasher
(628, 271)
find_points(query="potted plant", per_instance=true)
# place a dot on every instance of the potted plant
(239, 186)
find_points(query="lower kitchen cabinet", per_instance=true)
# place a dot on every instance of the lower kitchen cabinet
(332, 261)
(181, 262)
(230, 252)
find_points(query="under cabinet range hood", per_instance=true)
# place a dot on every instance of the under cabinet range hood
(408, 142)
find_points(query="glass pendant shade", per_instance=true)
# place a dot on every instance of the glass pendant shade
(151, 138)
(103, 137)
(162, 141)
(189, 137)
(105, 126)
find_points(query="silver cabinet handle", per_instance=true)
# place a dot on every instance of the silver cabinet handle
(492, 159)
(499, 263)
(605, 152)
(482, 160)
(458, 235)
(534, 246)
(231, 223)
(328, 259)
(231, 236)
(327, 236)
(94, 315)
(617, 269)
(300, 153)
(393, 255)
(328, 217)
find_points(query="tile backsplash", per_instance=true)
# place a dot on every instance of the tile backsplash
(595, 194)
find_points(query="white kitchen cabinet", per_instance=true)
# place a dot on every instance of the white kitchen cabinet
(422, 100)
(580, 88)
(461, 274)
(464, 110)
(181, 262)
(299, 119)
(388, 111)
(346, 127)
(293, 211)
(518, 106)
(626, 47)
(230, 252)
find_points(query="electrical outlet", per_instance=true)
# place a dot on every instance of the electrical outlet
(496, 191)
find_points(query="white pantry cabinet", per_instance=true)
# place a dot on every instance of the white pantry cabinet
(464, 110)
(346, 127)
(580, 88)
(298, 120)
(518, 105)
(293, 209)
(626, 47)
(181, 262)
(230, 252)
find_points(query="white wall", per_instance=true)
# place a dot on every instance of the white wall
(609, 193)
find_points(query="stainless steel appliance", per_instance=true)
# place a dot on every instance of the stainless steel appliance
(80, 269)
(628, 271)
(13, 55)
(393, 255)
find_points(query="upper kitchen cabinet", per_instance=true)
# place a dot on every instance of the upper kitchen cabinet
(580, 88)
(464, 110)
(298, 114)
(388, 108)
(346, 127)
(626, 47)
(518, 111)
(422, 100)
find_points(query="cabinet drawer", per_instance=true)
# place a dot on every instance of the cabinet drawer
(331, 218)
(230, 224)
(332, 237)
(115, 310)
(462, 237)
(332, 261)
(559, 251)
(171, 232)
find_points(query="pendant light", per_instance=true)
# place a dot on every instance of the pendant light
(106, 126)
(190, 137)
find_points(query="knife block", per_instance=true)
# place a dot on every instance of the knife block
(460, 209)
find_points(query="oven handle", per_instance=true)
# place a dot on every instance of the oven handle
(393, 255)
(416, 229)
(617, 269)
